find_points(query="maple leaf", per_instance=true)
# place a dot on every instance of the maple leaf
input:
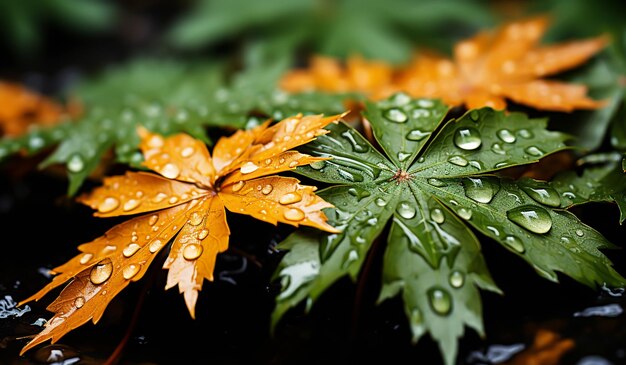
(185, 202)
(485, 70)
(22, 109)
(431, 181)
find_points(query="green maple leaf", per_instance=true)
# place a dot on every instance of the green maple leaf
(435, 180)
(371, 28)
(166, 97)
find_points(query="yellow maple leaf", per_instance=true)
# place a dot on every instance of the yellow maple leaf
(21, 108)
(186, 202)
(485, 70)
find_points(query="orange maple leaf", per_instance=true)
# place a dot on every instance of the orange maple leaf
(21, 108)
(485, 70)
(186, 201)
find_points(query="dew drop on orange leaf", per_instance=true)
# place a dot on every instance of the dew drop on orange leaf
(101, 272)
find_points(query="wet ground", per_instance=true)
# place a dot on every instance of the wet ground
(568, 321)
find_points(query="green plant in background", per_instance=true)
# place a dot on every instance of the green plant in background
(22, 22)
(388, 30)
(184, 97)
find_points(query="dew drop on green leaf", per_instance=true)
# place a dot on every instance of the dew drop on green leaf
(381, 202)
(406, 210)
(356, 146)
(395, 115)
(457, 279)
(534, 151)
(496, 148)
(440, 301)
(458, 160)
(417, 135)
(474, 115)
(436, 182)
(531, 217)
(480, 190)
(318, 165)
(541, 193)
(75, 163)
(514, 243)
(506, 136)
(464, 213)
(351, 256)
(437, 215)
(525, 133)
(402, 156)
(350, 176)
(580, 233)
(467, 138)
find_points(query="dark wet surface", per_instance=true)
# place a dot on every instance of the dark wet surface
(232, 325)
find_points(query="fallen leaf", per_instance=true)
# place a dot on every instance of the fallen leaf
(21, 109)
(185, 202)
(486, 70)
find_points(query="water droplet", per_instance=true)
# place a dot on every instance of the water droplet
(496, 148)
(542, 193)
(130, 271)
(173, 200)
(458, 160)
(101, 272)
(290, 198)
(75, 163)
(294, 214)
(514, 243)
(130, 249)
(187, 152)
(395, 115)
(317, 165)
(467, 138)
(534, 151)
(79, 302)
(192, 251)
(203, 234)
(405, 210)
(416, 317)
(464, 213)
(474, 115)
(400, 99)
(402, 156)
(267, 189)
(436, 182)
(293, 164)
(155, 246)
(381, 202)
(437, 215)
(131, 204)
(195, 219)
(525, 133)
(170, 171)
(356, 146)
(506, 136)
(156, 141)
(159, 197)
(350, 176)
(248, 167)
(417, 135)
(238, 186)
(86, 258)
(153, 219)
(350, 257)
(500, 164)
(580, 233)
(531, 217)
(494, 230)
(457, 279)
(108, 204)
(480, 190)
(440, 301)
